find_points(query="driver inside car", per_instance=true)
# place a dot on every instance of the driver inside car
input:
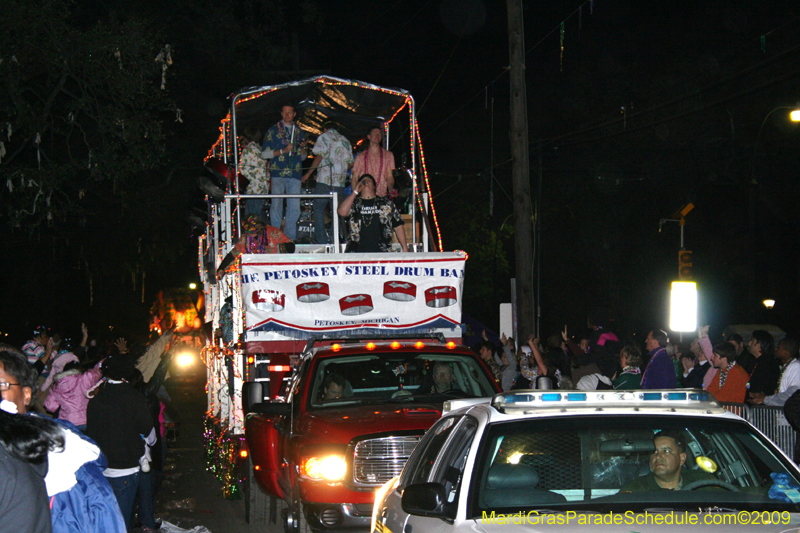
(666, 466)
(334, 387)
(442, 378)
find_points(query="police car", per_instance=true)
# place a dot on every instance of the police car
(614, 461)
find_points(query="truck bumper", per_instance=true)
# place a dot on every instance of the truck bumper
(339, 516)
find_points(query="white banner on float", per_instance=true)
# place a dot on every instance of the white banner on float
(296, 296)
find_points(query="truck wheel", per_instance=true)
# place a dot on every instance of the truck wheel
(256, 501)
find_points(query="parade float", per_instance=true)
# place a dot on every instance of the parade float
(262, 314)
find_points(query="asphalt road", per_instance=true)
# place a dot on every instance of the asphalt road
(190, 496)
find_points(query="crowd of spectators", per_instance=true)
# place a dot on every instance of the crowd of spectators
(80, 433)
(757, 372)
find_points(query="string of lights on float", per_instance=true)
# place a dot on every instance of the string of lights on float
(221, 448)
(427, 184)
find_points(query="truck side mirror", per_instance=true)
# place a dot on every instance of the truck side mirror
(252, 395)
(426, 499)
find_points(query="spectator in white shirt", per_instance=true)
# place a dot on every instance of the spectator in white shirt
(789, 383)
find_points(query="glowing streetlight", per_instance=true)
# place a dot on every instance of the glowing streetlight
(795, 115)
(683, 306)
(193, 286)
(769, 303)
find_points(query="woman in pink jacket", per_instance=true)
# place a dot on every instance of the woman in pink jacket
(69, 392)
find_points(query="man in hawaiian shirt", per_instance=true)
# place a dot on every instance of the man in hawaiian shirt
(334, 157)
(285, 144)
(372, 219)
(253, 166)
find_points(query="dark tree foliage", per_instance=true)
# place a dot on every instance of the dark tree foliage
(82, 110)
(106, 112)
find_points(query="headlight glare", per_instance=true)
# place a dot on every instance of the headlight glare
(330, 467)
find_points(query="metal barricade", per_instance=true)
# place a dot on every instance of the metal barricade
(739, 409)
(770, 421)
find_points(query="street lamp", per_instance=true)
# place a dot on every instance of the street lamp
(193, 286)
(794, 116)
(769, 303)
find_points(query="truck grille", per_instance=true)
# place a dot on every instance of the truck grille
(376, 461)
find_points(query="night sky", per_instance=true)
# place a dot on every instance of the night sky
(650, 105)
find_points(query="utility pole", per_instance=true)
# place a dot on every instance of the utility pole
(520, 172)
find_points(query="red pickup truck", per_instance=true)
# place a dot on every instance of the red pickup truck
(353, 414)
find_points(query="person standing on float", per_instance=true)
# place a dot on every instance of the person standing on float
(377, 162)
(285, 144)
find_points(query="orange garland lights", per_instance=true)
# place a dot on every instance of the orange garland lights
(427, 184)
(220, 139)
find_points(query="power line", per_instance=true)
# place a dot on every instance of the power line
(578, 10)
(695, 93)
(706, 107)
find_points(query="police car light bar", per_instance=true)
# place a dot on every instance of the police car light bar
(523, 399)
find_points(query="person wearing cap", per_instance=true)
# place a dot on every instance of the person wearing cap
(39, 349)
(284, 144)
(258, 238)
(119, 420)
(372, 219)
(376, 161)
(334, 157)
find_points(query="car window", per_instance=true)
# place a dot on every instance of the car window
(394, 378)
(422, 462)
(621, 462)
(449, 469)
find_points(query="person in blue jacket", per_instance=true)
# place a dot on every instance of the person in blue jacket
(80, 497)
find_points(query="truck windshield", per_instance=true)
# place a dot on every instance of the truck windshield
(397, 377)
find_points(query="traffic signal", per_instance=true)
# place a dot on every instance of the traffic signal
(685, 265)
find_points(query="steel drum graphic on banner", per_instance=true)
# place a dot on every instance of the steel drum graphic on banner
(313, 292)
(440, 296)
(269, 300)
(356, 304)
(400, 291)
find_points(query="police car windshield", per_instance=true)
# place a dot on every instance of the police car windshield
(628, 463)
(396, 377)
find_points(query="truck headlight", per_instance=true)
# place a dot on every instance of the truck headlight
(185, 359)
(329, 467)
